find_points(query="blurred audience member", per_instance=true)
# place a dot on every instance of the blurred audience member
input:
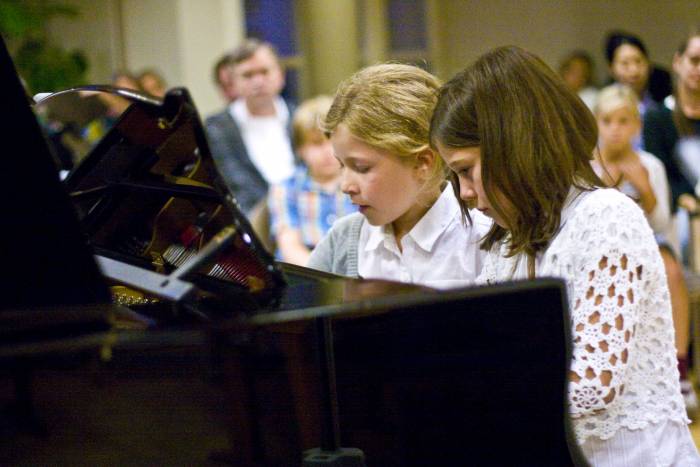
(629, 64)
(669, 129)
(250, 139)
(152, 82)
(115, 106)
(642, 176)
(577, 71)
(672, 132)
(223, 77)
(304, 207)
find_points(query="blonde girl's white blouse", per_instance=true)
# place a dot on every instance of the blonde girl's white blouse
(439, 251)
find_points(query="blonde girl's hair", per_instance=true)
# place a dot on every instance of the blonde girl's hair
(536, 139)
(388, 106)
(614, 97)
(308, 117)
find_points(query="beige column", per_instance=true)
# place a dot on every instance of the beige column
(436, 40)
(233, 22)
(330, 42)
(375, 43)
(150, 38)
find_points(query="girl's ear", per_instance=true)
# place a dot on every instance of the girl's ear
(425, 161)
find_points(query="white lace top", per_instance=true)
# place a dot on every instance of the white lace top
(623, 373)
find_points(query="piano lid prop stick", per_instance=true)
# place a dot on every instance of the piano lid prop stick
(221, 240)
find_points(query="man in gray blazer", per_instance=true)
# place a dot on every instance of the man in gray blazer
(250, 138)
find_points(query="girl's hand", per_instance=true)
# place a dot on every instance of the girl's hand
(634, 172)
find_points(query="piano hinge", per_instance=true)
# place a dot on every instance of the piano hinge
(165, 124)
(158, 262)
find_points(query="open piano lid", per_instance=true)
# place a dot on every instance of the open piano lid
(149, 195)
(51, 286)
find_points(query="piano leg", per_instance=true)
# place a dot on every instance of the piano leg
(19, 415)
(272, 391)
(240, 410)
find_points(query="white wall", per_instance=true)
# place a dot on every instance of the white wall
(551, 28)
(151, 37)
(183, 39)
(96, 32)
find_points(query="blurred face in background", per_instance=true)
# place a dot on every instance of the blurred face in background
(317, 153)
(617, 128)
(115, 104)
(260, 77)
(152, 85)
(227, 83)
(576, 74)
(124, 81)
(631, 67)
(687, 66)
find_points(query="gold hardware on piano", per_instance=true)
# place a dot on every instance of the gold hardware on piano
(128, 297)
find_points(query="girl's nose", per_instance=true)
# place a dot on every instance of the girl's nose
(347, 185)
(466, 192)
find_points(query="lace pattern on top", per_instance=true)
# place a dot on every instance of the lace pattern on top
(623, 372)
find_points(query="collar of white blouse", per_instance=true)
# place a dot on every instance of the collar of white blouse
(426, 231)
(573, 199)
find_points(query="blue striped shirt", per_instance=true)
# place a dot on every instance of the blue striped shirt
(302, 204)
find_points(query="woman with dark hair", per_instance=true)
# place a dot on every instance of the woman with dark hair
(673, 135)
(520, 144)
(629, 64)
(666, 127)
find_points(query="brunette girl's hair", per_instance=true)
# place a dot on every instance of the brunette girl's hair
(536, 139)
(389, 107)
(684, 125)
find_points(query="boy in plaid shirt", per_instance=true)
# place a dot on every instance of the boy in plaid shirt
(304, 207)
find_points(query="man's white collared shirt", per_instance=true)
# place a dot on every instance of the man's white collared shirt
(266, 140)
(439, 251)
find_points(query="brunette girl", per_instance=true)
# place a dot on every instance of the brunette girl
(521, 143)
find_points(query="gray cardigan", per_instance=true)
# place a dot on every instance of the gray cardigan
(337, 251)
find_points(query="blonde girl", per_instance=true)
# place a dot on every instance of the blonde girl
(409, 221)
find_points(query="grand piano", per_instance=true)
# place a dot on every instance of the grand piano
(198, 347)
